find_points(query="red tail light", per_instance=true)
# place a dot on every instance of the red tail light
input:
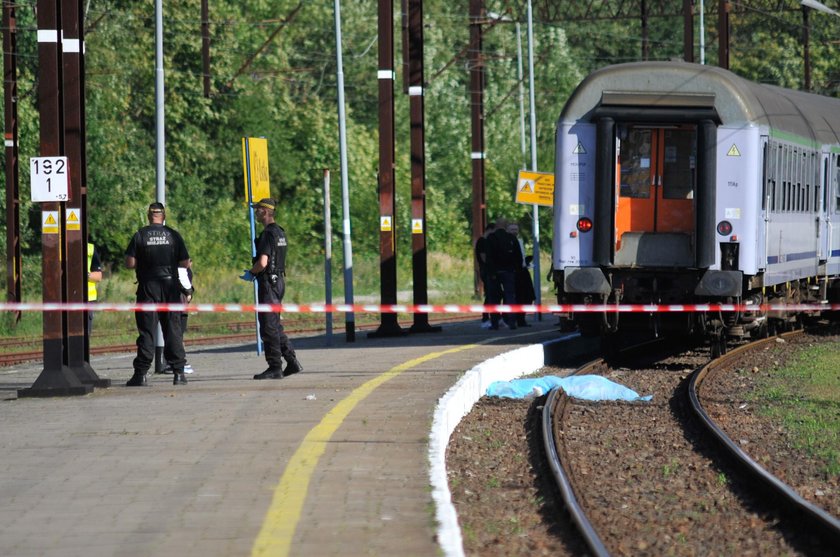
(584, 224)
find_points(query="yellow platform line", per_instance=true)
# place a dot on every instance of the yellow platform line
(275, 537)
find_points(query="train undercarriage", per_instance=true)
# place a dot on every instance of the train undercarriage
(717, 328)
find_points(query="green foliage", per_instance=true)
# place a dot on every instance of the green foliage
(273, 74)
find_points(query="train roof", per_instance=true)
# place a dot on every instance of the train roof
(681, 88)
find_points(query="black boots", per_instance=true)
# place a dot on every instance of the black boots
(270, 373)
(277, 372)
(137, 380)
(292, 366)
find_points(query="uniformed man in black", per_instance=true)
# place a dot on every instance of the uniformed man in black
(504, 257)
(269, 270)
(155, 253)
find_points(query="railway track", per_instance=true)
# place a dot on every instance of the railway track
(611, 522)
(649, 479)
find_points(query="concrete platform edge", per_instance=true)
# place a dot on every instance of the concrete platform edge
(452, 407)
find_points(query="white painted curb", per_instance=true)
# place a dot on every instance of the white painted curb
(451, 408)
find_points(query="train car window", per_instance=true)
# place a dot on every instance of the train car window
(678, 165)
(809, 183)
(635, 160)
(815, 176)
(790, 200)
(767, 185)
(776, 172)
(797, 181)
(825, 186)
(835, 184)
(784, 202)
(805, 189)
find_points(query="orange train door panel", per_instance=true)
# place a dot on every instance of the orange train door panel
(675, 191)
(636, 172)
(655, 175)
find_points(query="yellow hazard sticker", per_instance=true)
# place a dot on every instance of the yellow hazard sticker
(385, 224)
(733, 151)
(49, 222)
(72, 219)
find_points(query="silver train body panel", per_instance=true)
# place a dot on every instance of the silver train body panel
(760, 191)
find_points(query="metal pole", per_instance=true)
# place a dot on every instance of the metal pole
(536, 223)
(75, 261)
(723, 34)
(328, 254)
(702, 33)
(416, 84)
(806, 40)
(160, 146)
(389, 325)
(645, 38)
(349, 319)
(688, 30)
(13, 250)
(519, 74)
(205, 46)
(476, 92)
(56, 379)
(246, 145)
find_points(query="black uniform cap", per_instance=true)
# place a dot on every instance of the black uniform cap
(266, 203)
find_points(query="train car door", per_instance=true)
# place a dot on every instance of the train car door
(656, 175)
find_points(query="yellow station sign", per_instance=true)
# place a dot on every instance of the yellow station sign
(535, 188)
(255, 152)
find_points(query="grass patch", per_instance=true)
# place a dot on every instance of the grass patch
(806, 401)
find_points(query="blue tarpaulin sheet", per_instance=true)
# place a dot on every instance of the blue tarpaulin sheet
(585, 387)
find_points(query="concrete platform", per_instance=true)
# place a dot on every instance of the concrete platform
(332, 461)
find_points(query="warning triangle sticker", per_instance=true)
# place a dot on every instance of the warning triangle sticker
(527, 186)
(72, 217)
(579, 150)
(733, 151)
(50, 219)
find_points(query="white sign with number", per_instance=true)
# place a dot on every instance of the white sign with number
(48, 178)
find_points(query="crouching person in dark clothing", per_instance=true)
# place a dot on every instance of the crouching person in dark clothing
(269, 270)
(155, 253)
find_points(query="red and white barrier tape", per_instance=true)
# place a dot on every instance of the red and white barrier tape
(411, 308)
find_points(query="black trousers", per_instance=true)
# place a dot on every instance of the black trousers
(275, 342)
(524, 292)
(501, 288)
(159, 291)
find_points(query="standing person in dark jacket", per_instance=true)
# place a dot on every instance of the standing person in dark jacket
(504, 257)
(524, 285)
(155, 253)
(481, 258)
(269, 270)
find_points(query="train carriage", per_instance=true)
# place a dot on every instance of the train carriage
(681, 183)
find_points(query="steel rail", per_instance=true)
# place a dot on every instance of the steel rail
(555, 405)
(557, 400)
(829, 524)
